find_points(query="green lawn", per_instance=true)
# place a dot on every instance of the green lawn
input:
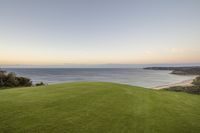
(97, 108)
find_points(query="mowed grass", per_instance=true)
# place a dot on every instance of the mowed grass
(97, 108)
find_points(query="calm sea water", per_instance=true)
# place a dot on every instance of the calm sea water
(132, 76)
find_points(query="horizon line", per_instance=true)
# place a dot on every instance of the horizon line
(108, 65)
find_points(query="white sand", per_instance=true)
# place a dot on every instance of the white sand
(182, 83)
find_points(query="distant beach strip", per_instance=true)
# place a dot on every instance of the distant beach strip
(182, 83)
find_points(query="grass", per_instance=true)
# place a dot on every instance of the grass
(97, 108)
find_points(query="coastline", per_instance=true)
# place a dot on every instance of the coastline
(182, 83)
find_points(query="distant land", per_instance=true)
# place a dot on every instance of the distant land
(193, 70)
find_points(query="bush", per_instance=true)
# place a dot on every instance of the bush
(188, 89)
(2, 78)
(40, 84)
(196, 81)
(11, 80)
(24, 81)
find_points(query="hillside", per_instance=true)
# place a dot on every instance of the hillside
(97, 108)
(195, 70)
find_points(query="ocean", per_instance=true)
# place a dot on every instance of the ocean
(130, 76)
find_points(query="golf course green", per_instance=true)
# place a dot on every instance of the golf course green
(96, 107)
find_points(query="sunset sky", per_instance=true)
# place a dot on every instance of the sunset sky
(56, 32)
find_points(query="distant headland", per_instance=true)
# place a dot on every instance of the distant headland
(194, 70)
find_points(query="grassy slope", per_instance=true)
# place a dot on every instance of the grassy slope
(98, 108)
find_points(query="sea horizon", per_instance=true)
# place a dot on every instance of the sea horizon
(108, 65)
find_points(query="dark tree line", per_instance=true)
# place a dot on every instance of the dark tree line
(11, 80)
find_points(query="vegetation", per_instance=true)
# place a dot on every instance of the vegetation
(97, 108)
(193, 89)
(179, 70)
(39, 84)
(188, 89)
(11, 80)
(196, 81)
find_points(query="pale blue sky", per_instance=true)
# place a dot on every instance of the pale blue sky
(99, 31)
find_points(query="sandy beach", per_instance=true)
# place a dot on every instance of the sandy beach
(182, 83)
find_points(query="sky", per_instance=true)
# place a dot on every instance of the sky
(61, 32)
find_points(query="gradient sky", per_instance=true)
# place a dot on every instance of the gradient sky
(44, 32)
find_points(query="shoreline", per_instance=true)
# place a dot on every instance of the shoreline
(182, 83)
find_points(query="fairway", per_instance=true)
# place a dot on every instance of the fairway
(94, 107)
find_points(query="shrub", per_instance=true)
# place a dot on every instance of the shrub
(196, 81)
(2, 78)
(188, 89)
(24, 81)
(40, 84)
(11, 80)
